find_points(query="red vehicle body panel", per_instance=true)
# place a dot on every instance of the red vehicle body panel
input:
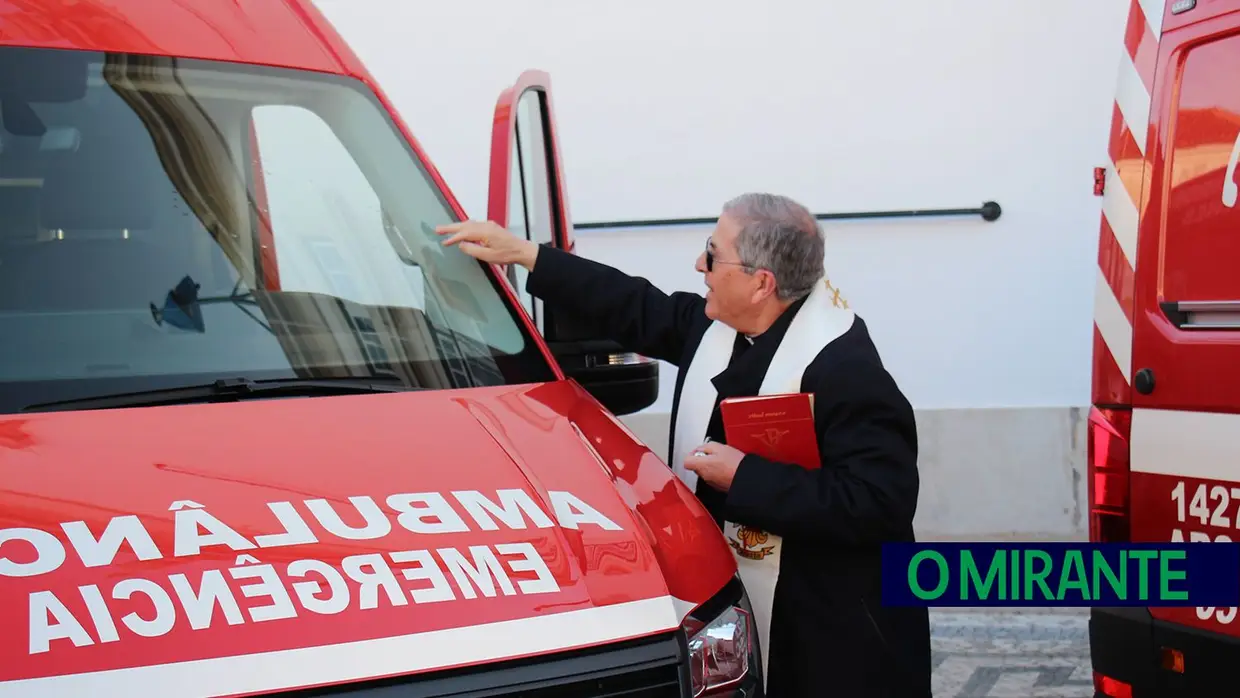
(279, 33)
(202, 513)
(191, 559)
(1188, 245)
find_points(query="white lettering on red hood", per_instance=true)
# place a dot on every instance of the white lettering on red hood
(254, 591)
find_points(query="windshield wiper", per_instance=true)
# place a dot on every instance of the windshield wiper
(228, 390)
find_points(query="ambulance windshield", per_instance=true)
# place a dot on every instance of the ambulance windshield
(168, 222)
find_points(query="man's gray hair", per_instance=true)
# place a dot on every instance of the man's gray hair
(781, 236)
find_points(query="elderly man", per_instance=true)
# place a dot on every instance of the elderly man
(768, 324)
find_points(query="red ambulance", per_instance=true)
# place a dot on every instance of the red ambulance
(262, 434)
(1164, 431)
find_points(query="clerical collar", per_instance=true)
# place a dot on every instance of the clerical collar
(781, 323)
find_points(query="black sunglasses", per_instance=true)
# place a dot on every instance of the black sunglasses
(711, 261)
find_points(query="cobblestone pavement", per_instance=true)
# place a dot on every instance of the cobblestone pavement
(1014, 653)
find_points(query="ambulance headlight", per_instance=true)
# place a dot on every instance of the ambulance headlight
(723, 649)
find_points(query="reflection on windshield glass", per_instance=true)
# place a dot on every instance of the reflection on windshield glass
(164, 224)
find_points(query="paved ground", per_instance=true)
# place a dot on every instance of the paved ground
(1011, 654)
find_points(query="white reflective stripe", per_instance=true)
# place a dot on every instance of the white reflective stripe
(357, 661)
(1133, 100)
(1202, 445)
(683, 608)
(1113, 325)
(1154, 10)
(1121, 213)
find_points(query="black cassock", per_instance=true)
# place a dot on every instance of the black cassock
(830, 635)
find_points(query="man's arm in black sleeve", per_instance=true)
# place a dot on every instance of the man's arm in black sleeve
(631, 310)
(866, 490)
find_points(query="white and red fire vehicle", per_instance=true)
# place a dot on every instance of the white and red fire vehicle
(1164, 433)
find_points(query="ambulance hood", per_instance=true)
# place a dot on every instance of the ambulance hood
(252, 546)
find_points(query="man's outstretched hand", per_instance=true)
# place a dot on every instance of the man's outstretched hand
(490, 242)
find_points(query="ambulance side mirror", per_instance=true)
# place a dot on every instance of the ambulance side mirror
(527, 196)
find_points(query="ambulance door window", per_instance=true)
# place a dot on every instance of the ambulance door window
(1202, 233)
(530, 202)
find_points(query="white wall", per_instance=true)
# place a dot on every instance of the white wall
(667, 109)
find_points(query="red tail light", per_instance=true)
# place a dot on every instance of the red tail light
(1109, 462)
(1107, 686)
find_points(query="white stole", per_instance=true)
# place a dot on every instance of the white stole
(821, 320)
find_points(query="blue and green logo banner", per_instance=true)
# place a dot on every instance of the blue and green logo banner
(1061, 574)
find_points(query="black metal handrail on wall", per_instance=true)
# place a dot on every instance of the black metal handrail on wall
(989, 211)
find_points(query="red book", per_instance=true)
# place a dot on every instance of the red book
(776, 427)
